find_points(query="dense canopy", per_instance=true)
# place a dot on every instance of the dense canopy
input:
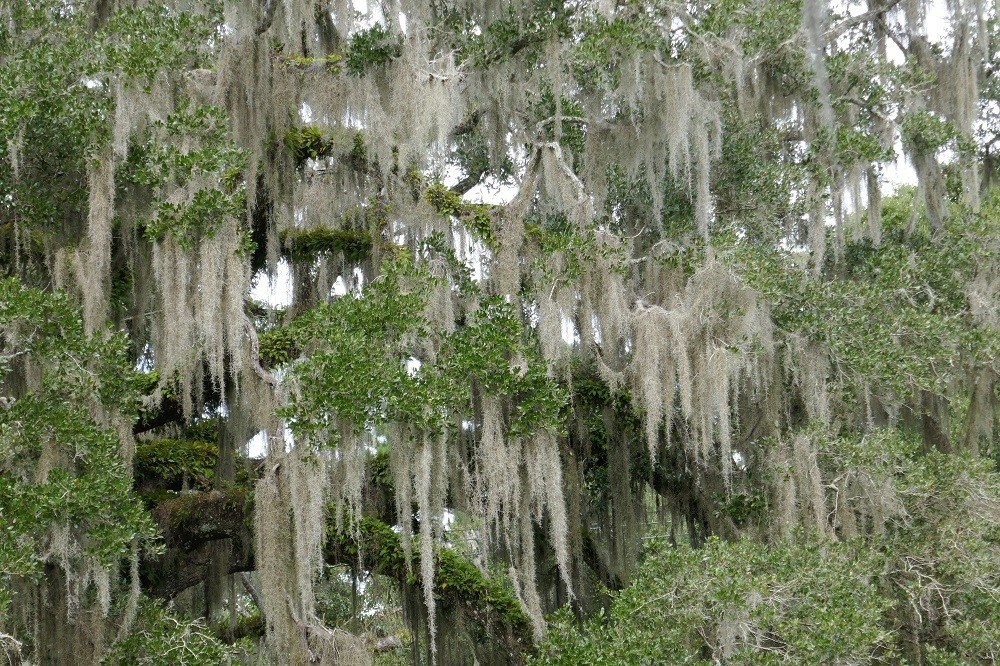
(499, 331)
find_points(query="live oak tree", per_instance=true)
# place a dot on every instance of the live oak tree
(613, 337)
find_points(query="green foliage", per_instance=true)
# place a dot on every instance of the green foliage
(932, 569)
(941, 548)
(250, 626)
(355, 366)
(899, 319)
(86, 484)
(853, 146)
(928, 133)
(766, 30)
(43, 100)
(306, 244)
(143, 41)
(55, 93)
(204, 429)
(371, 49)
(744, 507)
(555, 234)
(741, 603)
(161, 637)
(187, 222)
(277, 347)
(379, 543)
(910, 315)
(514, 31)
(331, 63)
(458, 576)
(192, 145)
(356, 350)
(455, 578)
(476, 217)
(359, 152)
(752, 184)
(171, 462)
(306, 142)
(606, 44)
(487, 351)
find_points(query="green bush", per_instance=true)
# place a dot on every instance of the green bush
(167, 463)
(736, 603)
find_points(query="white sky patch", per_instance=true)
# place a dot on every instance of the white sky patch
(491, 191)
(371, 13)
(899, 173)
(339, 287)
(569, 333)
(258, 445)
(276, 290)
(447, 521)
(739, 460)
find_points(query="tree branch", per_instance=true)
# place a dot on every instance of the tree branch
(193, 521)
(268, 18)
(872, 14)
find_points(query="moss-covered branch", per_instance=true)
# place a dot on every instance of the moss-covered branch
(194, 518)
(447, 201)
(457, 581)
(189, 524)
(192, 521)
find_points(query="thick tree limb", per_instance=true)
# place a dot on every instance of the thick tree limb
(168, 412)
(469, 124)
(593, 559)
(874, 14)
(457, 581)
(268, 17)
(192, 522)
(470, 181)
